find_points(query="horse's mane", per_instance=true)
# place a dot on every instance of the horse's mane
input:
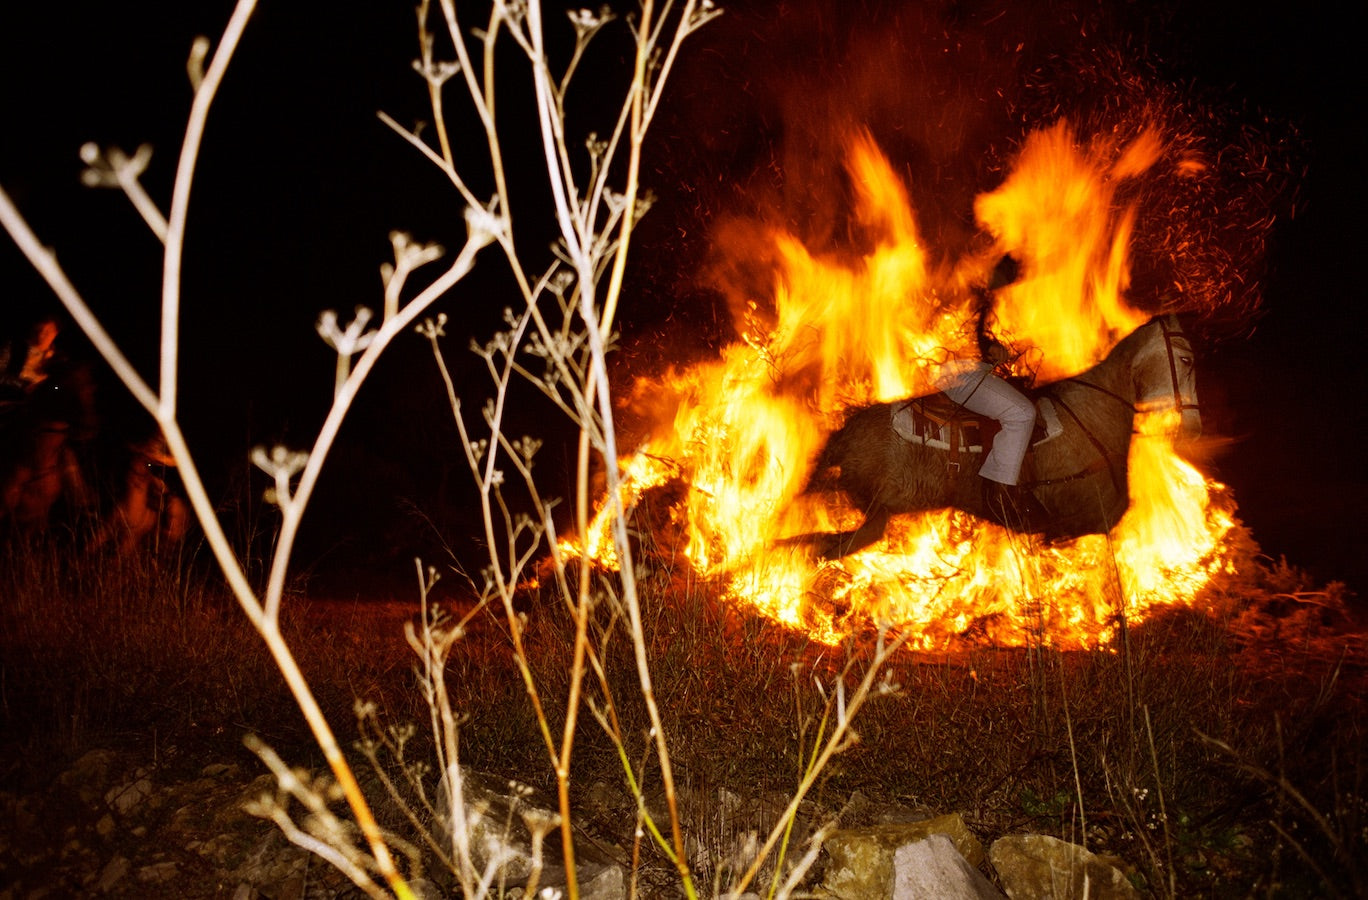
(1104, 371)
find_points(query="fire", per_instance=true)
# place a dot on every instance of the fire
(1056, 209)
(870, 324)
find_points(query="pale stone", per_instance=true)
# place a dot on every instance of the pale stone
(159, 873)
(1040, 867)
(88, 775)
(497, 814)
(125, 798)
(608, 884)
(934, 870)
(860, 860)
(113, 871)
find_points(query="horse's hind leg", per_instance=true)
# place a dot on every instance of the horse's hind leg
(848, 542)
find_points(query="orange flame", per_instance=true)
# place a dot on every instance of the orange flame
(1056, 210)
(870, 324)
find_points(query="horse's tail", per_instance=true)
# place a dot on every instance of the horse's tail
(825, 471)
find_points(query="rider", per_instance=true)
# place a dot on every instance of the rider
(973, 385)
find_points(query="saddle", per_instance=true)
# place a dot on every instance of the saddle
(937, 421)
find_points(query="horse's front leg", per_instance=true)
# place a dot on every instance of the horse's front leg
(847, 542)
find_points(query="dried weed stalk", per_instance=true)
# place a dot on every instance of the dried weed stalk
(595, 223)
(556, 338)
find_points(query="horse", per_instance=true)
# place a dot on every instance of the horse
(905, 457)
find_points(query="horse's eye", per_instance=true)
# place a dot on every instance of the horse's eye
(1185, 360)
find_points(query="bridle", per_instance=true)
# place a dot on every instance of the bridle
(1170, 334)
(1104, 460)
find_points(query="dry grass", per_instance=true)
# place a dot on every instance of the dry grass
(139, 652)
(1218, 753)
(1186, 750)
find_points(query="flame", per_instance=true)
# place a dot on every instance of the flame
(1056, 210)
(859, 325)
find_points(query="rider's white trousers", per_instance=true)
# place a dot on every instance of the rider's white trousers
(978, 390)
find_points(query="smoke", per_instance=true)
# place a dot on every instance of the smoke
(1207, 208)
(757, 136)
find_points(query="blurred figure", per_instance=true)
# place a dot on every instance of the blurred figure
(47, 415)
(975, 385)
(151, 509)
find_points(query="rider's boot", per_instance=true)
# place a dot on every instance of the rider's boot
(1013, 506)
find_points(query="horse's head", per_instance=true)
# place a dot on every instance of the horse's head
(1165, 374)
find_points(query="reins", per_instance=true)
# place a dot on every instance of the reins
(1097, 387)
(1104, 460)
(1169, 336)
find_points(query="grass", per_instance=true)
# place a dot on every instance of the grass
(1136, 748)
(1220, 753)
(114, 651)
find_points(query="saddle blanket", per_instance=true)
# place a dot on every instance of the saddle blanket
(912, 423)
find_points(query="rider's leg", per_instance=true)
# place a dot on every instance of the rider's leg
(1007, 503)
(1016, 414)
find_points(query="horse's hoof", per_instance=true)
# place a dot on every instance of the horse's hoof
(1014, 507)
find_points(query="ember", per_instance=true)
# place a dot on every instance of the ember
(862, 326)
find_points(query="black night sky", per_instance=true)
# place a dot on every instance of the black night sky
(301, 184)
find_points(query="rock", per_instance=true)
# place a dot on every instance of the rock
(159, 873)
(116, 826)
(932, 869)
(1039, 867)
(501, 817)
(112, 873)
(608, 884)
(88, 775)
(862, 809)
(126, 797)
(860, 860)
